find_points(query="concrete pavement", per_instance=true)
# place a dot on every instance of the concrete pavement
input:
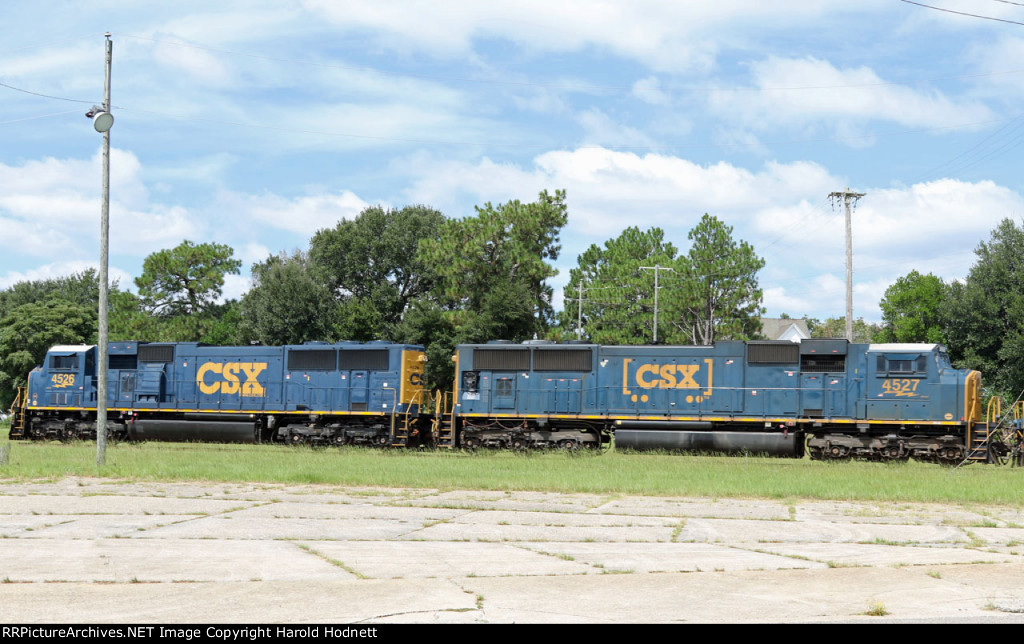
(92, 550)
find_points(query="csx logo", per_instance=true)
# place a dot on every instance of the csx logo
(224, 378)
(416, 379)
(668, 376)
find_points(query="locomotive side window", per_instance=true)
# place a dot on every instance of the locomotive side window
(64, 363)
(902, 366)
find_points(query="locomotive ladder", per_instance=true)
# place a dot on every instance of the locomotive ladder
(985, 442)
(401, 426)
(18, 413)
(443, 425)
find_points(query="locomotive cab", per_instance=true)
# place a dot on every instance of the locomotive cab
(66, 379)
(916, 382)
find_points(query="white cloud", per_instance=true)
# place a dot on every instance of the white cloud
(649, 90)
(235, 286)
(809, 92)
(600, 129)
(50, 206)
(304, 215)
(670, 37)
(63, 269)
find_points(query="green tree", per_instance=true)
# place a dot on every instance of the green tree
(434, 327)
(719, 293)
(179, 287)
(984, 315)
(912, 309)
(286, 304)
(79, 288)
(863, 332)
(617, 294)
(185, 280)
(371, 266)
(494, 266)
(28, 332)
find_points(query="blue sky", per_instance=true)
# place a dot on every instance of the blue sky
(255, 124)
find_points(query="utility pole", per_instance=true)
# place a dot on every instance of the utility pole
(579, 313)
(102, 120)
(847, 197)
(657, 269)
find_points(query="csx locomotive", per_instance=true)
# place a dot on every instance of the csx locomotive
(338, 394)
(830, 398)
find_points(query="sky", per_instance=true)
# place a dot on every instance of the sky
(256, 123)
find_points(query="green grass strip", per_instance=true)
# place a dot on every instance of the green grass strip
(656, 474)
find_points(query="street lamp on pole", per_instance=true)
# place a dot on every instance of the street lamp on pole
(102, 121)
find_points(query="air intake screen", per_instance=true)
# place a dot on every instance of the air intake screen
(156, 353)
(123, 362)
(502, 359)
(822, 363)
(773, 353)
(375, 360)
(318, 360)
(563, 360)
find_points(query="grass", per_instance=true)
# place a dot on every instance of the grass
(611, 473)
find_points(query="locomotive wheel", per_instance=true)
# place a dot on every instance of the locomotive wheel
(569, 445)
(519, 444)
(893, 453)
(839, 452)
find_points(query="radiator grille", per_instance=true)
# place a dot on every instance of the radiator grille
(502, 359)
(563, 360)
(156, 353)
(773, 353)
(373, 360)
(315, 360)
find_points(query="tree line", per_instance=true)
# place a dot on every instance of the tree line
(407, 275)
(413, 275)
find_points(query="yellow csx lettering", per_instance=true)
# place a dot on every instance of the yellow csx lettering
(667, 376)
(229, 382)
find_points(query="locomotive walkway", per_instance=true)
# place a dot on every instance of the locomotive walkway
(90, 550)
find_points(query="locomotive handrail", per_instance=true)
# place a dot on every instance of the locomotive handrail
(745, 400)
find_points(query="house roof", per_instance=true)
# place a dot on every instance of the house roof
(793, 329)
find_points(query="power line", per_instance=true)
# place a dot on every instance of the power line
(961, 13)
(57, 98)
(41, 116)
(50, 44)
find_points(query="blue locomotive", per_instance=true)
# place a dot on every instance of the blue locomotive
(312, 393)
(830, 397)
